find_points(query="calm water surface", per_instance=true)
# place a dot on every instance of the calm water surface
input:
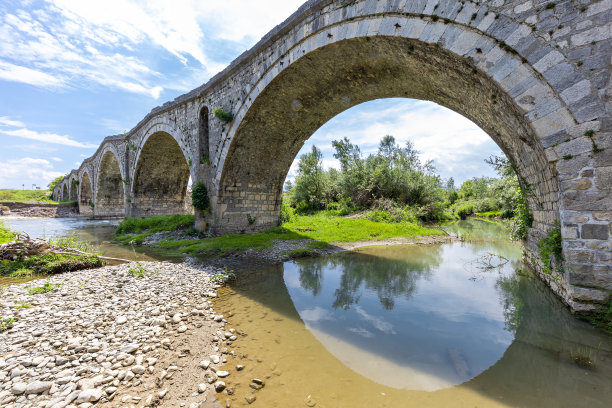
(448, 325)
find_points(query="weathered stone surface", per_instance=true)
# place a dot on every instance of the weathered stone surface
(550, 114)
(595, 231)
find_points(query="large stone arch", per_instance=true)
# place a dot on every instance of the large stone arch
(109, 194)
(461, 58)
(85, 194)
(161, 174)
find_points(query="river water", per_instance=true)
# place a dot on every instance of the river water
(459, 324)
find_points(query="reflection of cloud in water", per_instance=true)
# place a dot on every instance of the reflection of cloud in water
(361, 331)
(377, 322)
(315, 315)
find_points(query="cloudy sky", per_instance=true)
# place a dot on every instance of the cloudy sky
(74, 71)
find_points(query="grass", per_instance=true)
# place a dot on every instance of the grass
(26, 196)
(154, 224)
(322, 228)
(137, 271)
(39, 290)
(6, 235)
(48, 264)
(6, 323)
(24, 305)
(489, 214)
(585, 357)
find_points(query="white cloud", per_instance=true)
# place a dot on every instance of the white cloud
(315, 315)
(77, 163)
(28, 171)
(16, 73)
(22, 132)
(56, 159)
(378, 322)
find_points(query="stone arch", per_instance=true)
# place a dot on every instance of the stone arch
(362, 52)
(85, 194)
(109, 192)
(65, 196)
(73, 188)
(457, 67)
(160, 180)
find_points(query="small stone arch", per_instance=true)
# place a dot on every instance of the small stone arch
(110, 184)
(65, 194)
(160, 180)
(86, 203)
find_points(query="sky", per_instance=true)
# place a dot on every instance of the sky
(73, 72)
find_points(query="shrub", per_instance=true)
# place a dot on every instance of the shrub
(522, 220)
(286, 213)
(223, 115)
(6, 323)
(47, 287)
(551, 244)
(199, 197)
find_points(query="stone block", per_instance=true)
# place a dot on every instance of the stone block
(589, 294)
(595, 231)
(580, 255)
(603, 178)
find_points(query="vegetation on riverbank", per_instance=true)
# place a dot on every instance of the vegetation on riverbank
(47, 263)
(395, 185)
(26, 196)
(322, 229)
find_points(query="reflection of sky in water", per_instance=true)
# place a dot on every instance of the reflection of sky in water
(438, 320)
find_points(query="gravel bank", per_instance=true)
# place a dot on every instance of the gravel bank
(108, 337)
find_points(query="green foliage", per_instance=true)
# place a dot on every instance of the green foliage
(137, 271)
(585, 356)
(48, 264)
(394, 173)
(550, 5)
(222, 278)
(205, 159)
(320, 227)
(286, 213)
(75, 182)
(26, 196)
(6, 235)
(551, 244)
(223, 115)
(602, 317)
(24, 305)
(54, 182)
(251, 220)
(7, 323)
(154, 224)
(22, 273)
(522, 219)
(199, 197)
(38, 290)
(489, 214)
(71, 241)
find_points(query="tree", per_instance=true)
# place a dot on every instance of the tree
(311, 181)
(53, 183)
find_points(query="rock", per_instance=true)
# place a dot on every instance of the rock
(250, 399)
(215, 359)
(121, 320)
(182, 329)
(91, 395)
(219, 386)
(222, 374)
(138, 369)
(202, 388)
(38, 387)
(239, 367)
(129, 349)
(205, 364)
(176, 318)
(19, 388)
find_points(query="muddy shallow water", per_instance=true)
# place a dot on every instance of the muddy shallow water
(457, 324)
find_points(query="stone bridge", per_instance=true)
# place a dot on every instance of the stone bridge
(533, 74)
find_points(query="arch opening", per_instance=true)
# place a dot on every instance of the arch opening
(332, 79)
(86, 196)
(160, 180)
(203, 135)
(65, 196)
(110, 201)
(73, 189)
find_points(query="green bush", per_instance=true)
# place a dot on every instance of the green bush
(155, 224)
(6, 323)
(287, 213)
(199, 197)
(551, 244)
(39, 290)
(522, 220)
(223, 115)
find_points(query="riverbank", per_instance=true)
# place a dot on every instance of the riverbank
(38, 210)
(135, 334)
(313, 235)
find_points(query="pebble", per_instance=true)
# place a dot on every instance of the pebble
(202, 388)
(99, 333)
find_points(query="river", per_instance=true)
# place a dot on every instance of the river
(456, 324)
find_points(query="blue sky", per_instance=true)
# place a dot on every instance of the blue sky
(74, 71)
